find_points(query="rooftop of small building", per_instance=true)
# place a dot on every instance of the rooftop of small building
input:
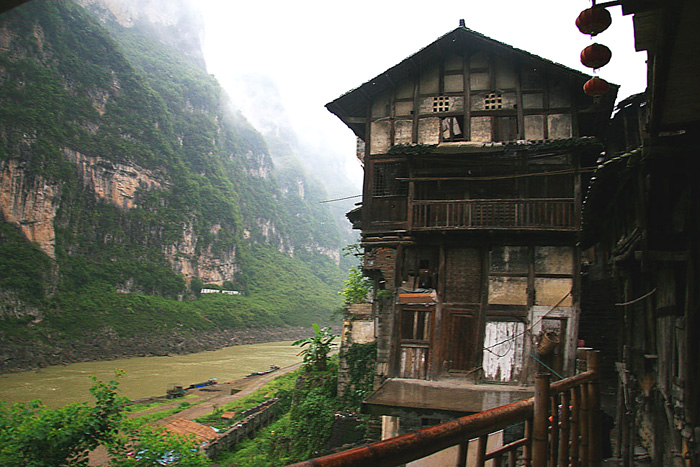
(396, 396)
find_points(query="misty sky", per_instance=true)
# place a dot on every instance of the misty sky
(318, 50)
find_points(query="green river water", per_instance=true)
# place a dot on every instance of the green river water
(145, 376)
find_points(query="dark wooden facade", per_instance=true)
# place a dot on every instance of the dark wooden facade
(642, 221)
(475, 154)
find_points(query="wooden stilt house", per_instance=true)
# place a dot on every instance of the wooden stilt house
(475, 155)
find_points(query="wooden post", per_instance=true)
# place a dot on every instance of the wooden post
(481, 451)
(554, 433)
(584, 424)
(620, 417)
(527, 449)
(462, 456)
(575, 426)
(596, 420)
(565, 428)
(540, 422)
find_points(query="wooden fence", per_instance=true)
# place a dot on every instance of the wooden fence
(562, 428)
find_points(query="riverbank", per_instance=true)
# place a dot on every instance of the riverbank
(46, 350)
(205, 401)
(144, 377)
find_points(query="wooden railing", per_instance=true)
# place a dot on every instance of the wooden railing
(562, 428)
(532, 213)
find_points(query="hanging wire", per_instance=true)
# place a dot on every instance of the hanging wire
(338, 199)
(488, 349)
(546, 366)
(638, 299)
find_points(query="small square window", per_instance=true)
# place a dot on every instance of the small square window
(493, 101)
(441, 104)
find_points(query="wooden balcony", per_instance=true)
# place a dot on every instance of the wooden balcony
(528, 214)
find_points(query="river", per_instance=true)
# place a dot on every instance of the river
(57, 386)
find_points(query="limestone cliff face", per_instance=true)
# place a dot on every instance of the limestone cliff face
(114, 182)
(332, 253)
(259, 165)
(119, 183)
(29, 203)
(209, 267)
(217, 268)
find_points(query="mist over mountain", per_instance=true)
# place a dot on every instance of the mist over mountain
(130, 181)
(259, 99)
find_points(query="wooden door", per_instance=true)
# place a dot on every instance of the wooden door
(416, 323)
(462, 340)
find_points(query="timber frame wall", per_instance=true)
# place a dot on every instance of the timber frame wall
(475, 155)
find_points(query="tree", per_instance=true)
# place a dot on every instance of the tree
(357, 287)
(319, 346)
(36, 436)
(144, 446)
(33, 435)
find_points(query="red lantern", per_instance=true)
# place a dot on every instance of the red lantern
(593, 21)
(596, 87)
(595, 56)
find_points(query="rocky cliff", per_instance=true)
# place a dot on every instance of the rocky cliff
(129, 180)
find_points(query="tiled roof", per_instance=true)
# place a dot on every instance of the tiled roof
(186, 427)
(354, 102)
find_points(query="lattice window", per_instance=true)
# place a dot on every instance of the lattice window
(493, 101)
(441, 104)
(384, 181)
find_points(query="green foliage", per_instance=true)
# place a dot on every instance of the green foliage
(361, 359)
(301, 433)
(144, 446)
(310, 422)
(135, 409)
(317, 347)
(281, 387)
(75, 81)
(357, 287)
(292, 290)
(34, 435)
(25, 268)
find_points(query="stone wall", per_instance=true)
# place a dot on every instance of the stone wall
(358, 328)
(254, 419)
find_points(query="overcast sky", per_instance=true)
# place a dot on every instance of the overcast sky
(317, 50)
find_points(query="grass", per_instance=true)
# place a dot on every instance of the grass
(272, 389)
(161, 414)
(137, 408)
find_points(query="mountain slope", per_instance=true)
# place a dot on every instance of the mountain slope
(129, 181)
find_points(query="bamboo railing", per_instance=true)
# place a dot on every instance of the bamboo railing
(562, 428)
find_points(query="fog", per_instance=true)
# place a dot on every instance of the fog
(311, 52)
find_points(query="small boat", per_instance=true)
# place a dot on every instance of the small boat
(209, 382)
(260, 373)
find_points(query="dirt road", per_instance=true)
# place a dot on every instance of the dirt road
(216, 396)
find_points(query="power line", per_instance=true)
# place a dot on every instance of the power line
(339, 199)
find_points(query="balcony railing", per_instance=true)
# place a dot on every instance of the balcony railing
(532, 213)
(562, 428)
